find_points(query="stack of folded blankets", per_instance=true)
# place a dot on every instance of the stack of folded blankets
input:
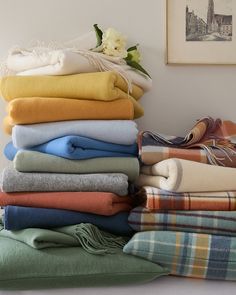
(187, 221)
(74, 154)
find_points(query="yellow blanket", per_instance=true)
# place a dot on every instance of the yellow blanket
(42, 109)
(7, 127)
(104, 86)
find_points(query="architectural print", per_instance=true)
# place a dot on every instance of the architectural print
(209, 20)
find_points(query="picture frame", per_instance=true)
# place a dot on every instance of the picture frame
(200, 32)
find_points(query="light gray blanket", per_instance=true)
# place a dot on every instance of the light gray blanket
(113, 131)
(14, 181)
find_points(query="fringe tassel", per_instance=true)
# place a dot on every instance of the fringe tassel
(159, 138)
(103, 63)
(95, 241)
(209, 145)
(213, 159)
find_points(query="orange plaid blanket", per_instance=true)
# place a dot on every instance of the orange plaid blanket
(209, 141)
(157, 199)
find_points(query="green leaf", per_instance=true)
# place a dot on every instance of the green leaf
(99, 34)
(128, 57)
(135, 47)
(137, 66)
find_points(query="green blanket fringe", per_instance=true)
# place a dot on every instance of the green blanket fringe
(96, 241)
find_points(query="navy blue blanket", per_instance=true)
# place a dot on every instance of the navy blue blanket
(78, 148)
(17, 218)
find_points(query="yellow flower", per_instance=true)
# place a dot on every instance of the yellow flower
(114, 43)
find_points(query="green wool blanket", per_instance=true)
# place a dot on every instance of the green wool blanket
(22, 267)
(31, 161)
(86, 235)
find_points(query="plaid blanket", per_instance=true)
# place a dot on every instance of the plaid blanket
(210, 222)
(187, 254)
(157, 199)
(209, 141)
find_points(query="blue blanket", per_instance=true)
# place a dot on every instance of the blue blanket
(17, 218)
(78, 148)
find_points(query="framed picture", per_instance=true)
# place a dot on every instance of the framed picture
(201, 32)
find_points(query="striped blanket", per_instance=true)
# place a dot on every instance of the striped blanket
(209, 222)
(187, 254)
(157, 199)
(209, 141)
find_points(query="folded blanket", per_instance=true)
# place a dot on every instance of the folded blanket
(86, 235)
(7, 126)
(16, 218)
(104, 86)
(209, 141)
(91, 202)
(22, 267)
(14, 181)
(24, 136)
(51, 62)
(187, 254)
(27, 161)
(78, 148)
(187, 176)
(75, 108)
(153, 154)
(156, 199)
(40, 110)
(217, 222)
(67, 62)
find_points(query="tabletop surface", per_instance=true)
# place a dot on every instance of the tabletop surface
(165, 285)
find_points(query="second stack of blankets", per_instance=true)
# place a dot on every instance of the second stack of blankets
(188, 220)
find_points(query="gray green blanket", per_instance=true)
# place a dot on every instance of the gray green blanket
(86, 235)
(22, 267)
(30, 161)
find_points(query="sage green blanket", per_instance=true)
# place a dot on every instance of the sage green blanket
(86, 235)
(30, 161)
(22, 267)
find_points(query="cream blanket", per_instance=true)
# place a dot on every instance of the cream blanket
(45, 61)
(179, 175)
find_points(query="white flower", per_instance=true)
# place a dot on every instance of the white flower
(114, 43)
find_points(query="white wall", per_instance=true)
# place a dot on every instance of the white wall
(180, 95)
